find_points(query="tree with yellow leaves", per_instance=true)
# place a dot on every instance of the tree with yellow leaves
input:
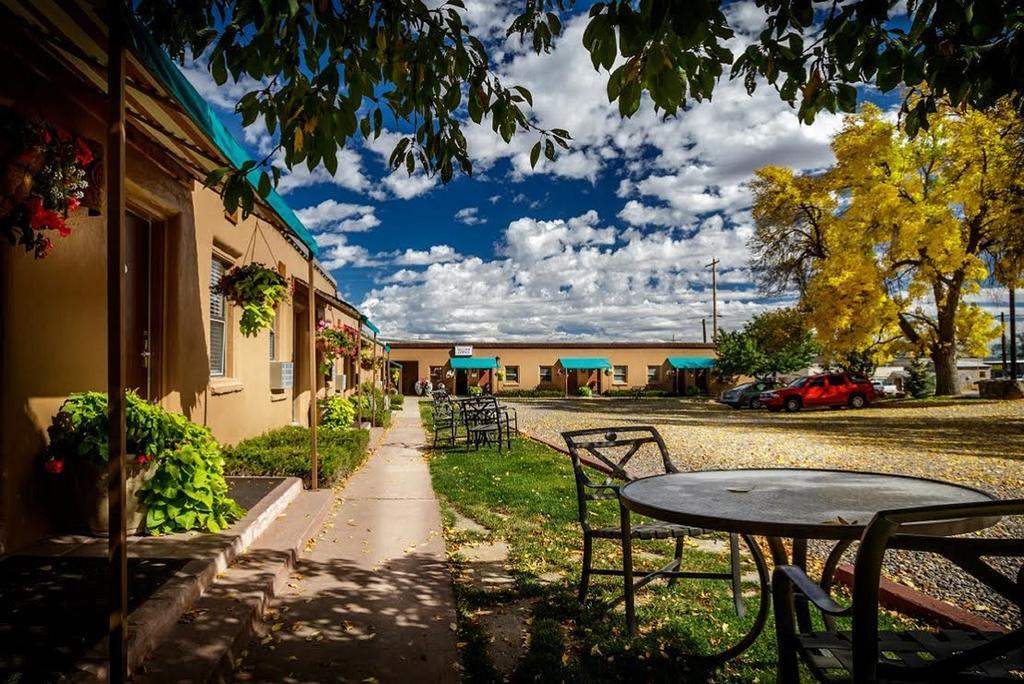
(885, 246)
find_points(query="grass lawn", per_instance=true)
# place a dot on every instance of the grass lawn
(526, 498)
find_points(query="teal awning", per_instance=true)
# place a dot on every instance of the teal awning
(369, 324)
(473, 362)
(200, 111)
(584, 362)
(691, 362)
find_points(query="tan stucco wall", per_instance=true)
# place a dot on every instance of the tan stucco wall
(53, 320)
(530, 359)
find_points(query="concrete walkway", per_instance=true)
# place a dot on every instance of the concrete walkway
(372, 600)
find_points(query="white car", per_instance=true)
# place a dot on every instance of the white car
(885, 389)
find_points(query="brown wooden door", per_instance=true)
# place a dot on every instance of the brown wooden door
(572, 382)
(138, 318)
(410, 375)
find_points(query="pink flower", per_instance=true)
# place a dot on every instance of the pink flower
(73, 203)
(54, 466)
(83, 153)
(43, 247)
(63, 135)
(141, 459)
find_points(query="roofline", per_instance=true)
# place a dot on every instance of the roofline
(545, 344)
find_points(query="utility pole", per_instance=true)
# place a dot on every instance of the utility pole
(1002, 347)
(714, 299)
(1013, 332)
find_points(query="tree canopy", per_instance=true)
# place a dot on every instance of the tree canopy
(886, 246)
(772, 343)
(329, 71)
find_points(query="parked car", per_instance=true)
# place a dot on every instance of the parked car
(825, 389)
(884, 389)
(747, 395)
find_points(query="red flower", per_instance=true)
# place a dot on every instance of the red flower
(46, 136)
(54, 466)
(63, 135)
(140, 459)
(73, 203)
(83, 153)
(43, 247)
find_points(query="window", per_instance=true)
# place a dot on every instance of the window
(652, 374)
(620, 375)
(817, 382)
(512, 374)
(273, 338)
(836, 379)
(218, 321)
(436, 374)
(546, 374)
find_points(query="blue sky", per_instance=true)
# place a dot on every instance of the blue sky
(608, 242)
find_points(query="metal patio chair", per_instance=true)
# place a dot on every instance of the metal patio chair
(445, 420)
(866, 654)
(484, 423)
(608, 451)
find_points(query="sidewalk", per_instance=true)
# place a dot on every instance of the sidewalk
(372, 600)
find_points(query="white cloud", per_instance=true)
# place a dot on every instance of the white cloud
(469, 216)
(438, 254)
(574, 278)
(339, 217)
(336, 252)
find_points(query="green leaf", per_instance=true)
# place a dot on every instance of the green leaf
(535, 155)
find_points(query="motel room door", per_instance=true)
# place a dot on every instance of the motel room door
(572, 382)
(461, 383)
(141, 362)
(410, 375)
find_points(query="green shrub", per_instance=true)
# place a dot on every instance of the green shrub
(920, 383)
(188, 490)
(336, 413)
(397, 400)
(529, 393)
(692, 391)
(364, 407)
(476, 391)
(585, 391)
(630, 393)
(285, 452)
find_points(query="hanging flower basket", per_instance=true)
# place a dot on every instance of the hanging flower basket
(334, 341)
(43, 178)
(258, 290)
(367, 361)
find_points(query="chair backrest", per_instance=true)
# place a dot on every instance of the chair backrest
(479, 411)
(894, 529)
(608, 451)
(444, 409)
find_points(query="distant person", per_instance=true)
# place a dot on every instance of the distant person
(418, 388)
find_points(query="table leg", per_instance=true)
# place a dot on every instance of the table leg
(627, 568)
(801, 605)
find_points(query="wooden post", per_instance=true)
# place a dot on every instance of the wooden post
(358, 367)
(1002, 325)
(373, 383)
(117, 548)
(1013, 332)
(313, 371)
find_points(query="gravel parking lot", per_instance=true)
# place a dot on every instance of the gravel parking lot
(974, 442)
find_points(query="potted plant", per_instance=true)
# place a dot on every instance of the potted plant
(43, 177)
(174, 468)
(79, 446)
(367, 360)
(258, 290)
(334, 341)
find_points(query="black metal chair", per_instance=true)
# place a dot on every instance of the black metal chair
(445, 420)
(608, 451)
(484, 423)
(866, 654)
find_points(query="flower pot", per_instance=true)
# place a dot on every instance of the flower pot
(92, 500)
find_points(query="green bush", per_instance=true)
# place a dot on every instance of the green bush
(529, 393)
(920, 383)
(188, 490)
(630, 393)
(397, 400)
(585, 391)
(364, 406)
(692, 391)
(336, 413)
(476, 391)
(285, 452)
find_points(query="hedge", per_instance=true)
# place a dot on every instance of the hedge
(285, 452)
(529, 393)
(631, 393)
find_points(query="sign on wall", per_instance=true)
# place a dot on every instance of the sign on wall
(463, 350)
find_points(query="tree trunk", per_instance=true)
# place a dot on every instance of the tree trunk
(946, 381)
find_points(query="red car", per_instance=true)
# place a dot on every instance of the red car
(826, 389)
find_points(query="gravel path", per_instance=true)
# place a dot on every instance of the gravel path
(978, 443)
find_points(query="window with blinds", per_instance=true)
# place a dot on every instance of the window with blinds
(218, 320)
(273, 339)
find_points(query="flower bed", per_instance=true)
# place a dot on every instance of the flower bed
(285, 452)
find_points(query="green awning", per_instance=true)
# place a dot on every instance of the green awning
(473, 362)
(691, 362)
(167, 72)
(584, 362)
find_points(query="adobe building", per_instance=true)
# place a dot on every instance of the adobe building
(605, 367)
(185, 349)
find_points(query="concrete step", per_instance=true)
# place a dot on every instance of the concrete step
(207, 640)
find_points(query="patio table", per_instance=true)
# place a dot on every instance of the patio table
(786, 503)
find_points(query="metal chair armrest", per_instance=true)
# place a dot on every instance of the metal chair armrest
(806, 586)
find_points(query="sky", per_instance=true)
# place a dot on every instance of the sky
(609, 242)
